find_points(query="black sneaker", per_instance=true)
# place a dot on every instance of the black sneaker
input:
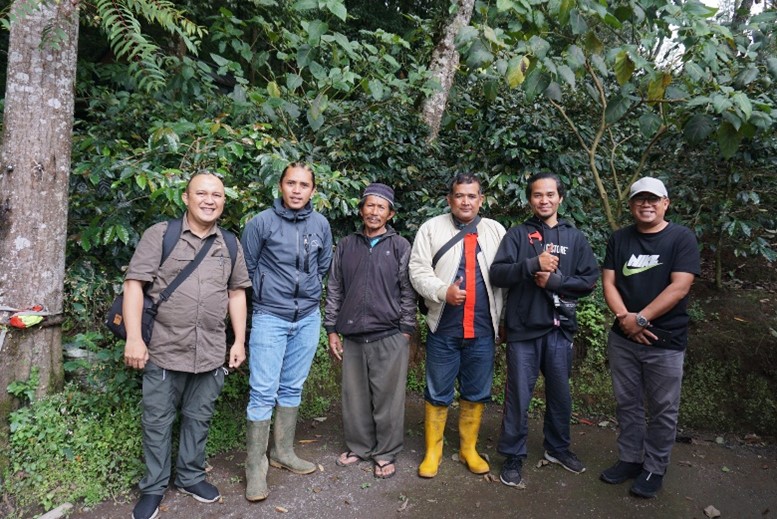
(566, 459)
(620, 472)
(647, 484)
(203, 492)
(147, 507)
(511, 471)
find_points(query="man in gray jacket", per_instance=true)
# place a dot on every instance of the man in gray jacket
(288, 249)
(463, 319)
(371, 302)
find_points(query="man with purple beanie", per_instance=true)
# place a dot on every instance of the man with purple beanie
(372, 305)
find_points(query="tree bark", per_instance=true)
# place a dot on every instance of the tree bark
(34, 171)
(445, 63)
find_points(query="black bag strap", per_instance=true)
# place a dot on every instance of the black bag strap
(231, 241)
(467, 229)
(173, 233)
(167, 292)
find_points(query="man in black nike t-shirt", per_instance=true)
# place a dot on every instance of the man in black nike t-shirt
(648, 271)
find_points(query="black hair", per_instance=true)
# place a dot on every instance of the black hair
(465, 178)
(202, 172)
(299, 164)
(541, 176)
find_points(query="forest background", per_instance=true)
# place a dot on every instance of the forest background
(397, 91)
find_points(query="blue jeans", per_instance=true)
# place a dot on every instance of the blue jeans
(469, 360)
(550, 354)
(280, 355)
(645, 375)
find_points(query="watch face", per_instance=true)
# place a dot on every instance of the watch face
(641, 320)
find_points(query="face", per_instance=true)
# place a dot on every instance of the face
(465, 201)
(544, 199)
(648, 209)
(204, 200)
(297, 188)
(375, 213)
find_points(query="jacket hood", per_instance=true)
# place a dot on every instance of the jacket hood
(289, 214)
(536, 223)
(389, 232)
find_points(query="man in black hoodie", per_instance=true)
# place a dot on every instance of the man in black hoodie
(547, 264)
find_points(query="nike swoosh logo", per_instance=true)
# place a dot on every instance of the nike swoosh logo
(630, 272)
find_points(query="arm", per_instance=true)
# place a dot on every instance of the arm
(334, 301)
(507, 270)
(135, 349)
(238, 312)
(407, 297)
(325, 258)
(252, 242)
(421, 273)
(584, 279)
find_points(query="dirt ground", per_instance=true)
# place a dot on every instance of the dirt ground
(738, 480)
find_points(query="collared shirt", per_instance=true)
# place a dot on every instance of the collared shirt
(189, 330)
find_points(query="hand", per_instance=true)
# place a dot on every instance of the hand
(548, 262)
(628, 323)
(237, 355)
(455, 295)
(335, 345)
(541, 279)
(135, 353)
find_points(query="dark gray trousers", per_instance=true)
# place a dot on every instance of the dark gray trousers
(374, 379)
(645, 376)
(163, 392)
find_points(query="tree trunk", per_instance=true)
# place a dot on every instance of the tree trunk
(34, 171)
(445, 62)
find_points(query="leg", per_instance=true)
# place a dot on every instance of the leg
(358, 425)
(522, 372)
(267, 347)
(387, 361)
(476, 375)
(197, 405)
(663, 371)
(161, 396)
(556, 367)
(626, 372)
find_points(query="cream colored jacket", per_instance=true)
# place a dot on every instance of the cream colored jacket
(432, 285)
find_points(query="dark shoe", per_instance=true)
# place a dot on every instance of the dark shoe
(566, 459)
(147, 507)
(203, 492)
(620, 472)
(511, 471)
(647, 484)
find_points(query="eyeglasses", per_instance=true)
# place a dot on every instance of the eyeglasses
(642, 200)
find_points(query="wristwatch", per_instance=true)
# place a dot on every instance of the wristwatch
(642, 321)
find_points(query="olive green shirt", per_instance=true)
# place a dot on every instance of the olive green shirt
(189, 330)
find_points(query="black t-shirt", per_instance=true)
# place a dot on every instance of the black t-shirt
(643, 265)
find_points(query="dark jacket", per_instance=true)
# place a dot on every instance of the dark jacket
(287, 254)
(530, 311)
(369, 295)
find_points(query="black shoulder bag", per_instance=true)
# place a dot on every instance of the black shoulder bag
(115, 318)
(467, 229)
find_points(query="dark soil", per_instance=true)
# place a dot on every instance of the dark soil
(739, 480)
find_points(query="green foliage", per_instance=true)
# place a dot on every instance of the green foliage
(24, 390)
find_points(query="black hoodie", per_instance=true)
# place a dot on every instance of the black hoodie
(530, 311)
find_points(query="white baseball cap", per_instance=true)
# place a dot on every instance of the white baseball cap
(648, 185)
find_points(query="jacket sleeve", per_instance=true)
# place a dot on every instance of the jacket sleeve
(334, 293)
(586, 274)
(422, 275)
(508, 269)
(325, 258)
(407, 296)
(252, 242)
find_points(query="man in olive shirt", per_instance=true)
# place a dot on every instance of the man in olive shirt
(182, 364)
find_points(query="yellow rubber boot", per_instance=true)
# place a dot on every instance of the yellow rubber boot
(434, 428)
(469, 425)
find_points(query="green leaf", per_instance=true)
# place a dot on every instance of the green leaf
(649, 123)
(516, 71)
(624, 67)
(698, 128)
(465, 35)
(567, 75)
(376, 89)
(504, 5)
(592, 43)
(771, 66)
(720, 103)
(616, 109)
(747, 76)
(657, 86)
(575, 57)
(577, 22)
(694, 71)
(536, 83)
(539, 46)
(478, 55)
(553, 92)
(305, 5)
(743, 102)
(491, 90)
(315, 30)
(728, 140)
(315, 119)
(293, 81)
(338, 9)
(273, 90)
(304, 55)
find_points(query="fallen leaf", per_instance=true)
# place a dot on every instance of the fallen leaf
(316, 490)
(725, 469)
(320, 419)
(719, 440)
(320, 468)
(585, 421)
(542, 463)
(307, 441)
(605, 423)
(280, 509)
(740, 319)
(490, 478)
(711, 512)
(365, 485)
(403, 505)
(685, 463)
